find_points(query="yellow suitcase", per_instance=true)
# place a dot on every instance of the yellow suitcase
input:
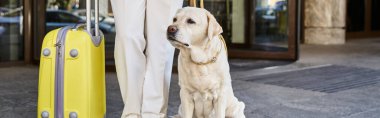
(72, 75)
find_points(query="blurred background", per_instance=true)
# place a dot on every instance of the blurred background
(255, 29)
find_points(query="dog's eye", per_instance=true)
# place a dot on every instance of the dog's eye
(174, 19)
(190, 21)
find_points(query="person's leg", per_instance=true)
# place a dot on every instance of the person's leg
(130, 59)
(159, 54)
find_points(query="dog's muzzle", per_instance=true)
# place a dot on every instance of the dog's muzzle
(171, 32)
(171, 35)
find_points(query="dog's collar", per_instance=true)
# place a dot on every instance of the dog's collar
(215, 57)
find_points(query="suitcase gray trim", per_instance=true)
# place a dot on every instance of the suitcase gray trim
(59, 67)
(96, 40)
(59, 71)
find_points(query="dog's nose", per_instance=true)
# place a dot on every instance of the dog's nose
(172, 29)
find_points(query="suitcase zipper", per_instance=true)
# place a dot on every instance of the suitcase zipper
(59, 71)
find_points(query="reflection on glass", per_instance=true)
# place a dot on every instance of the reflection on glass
(270, 26)
(231, 16)
(269, 23)
(220, 9)
(11, 32)
(375, 25)
(60, 13)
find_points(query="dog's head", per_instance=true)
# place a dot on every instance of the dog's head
(192, 27)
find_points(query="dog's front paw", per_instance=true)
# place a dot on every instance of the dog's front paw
(175, 116)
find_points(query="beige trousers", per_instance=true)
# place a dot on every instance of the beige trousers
(143, 56)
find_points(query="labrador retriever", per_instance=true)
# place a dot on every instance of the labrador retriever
(203, 69)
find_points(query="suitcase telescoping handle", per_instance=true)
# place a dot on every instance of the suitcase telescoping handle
(88, 16)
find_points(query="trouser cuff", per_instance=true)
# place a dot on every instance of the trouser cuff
(152, 115)
(131, 115)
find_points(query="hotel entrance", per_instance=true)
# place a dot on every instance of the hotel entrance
(254, 29)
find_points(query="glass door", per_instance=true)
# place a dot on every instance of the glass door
(375, 15)
(363, 19)
(258, 29)
(11, 31)
(270, 26)
(355, 16)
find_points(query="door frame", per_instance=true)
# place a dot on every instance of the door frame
(293, 36)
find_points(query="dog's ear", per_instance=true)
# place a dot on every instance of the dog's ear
(214, 28)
